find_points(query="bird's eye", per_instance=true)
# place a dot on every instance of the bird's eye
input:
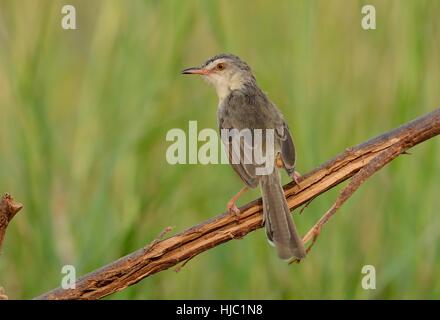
(220, 66)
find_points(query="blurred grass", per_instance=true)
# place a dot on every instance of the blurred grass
(84, 116)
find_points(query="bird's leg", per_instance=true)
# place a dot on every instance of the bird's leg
(232, 208)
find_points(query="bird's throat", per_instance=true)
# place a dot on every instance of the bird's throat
(223, 92)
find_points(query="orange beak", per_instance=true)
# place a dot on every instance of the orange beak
(195, 70)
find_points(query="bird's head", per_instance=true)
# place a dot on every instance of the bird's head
(226, 72)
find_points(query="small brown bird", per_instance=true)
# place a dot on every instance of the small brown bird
(242, 105)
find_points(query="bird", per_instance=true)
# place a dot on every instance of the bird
(242, 105)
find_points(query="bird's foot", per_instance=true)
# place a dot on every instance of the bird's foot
(232, 208)
(296, 177)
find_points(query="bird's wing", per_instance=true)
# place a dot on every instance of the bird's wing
(246, 171)
(240, 112)
(288, 152)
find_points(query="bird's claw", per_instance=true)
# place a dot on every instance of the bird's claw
(232, 208)
(295, 177)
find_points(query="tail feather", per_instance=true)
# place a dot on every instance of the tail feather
(280, 229)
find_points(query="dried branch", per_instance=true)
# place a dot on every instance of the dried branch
(364, 159)
(8, 210)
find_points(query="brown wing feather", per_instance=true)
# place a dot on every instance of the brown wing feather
(288, 152)
(245, 171)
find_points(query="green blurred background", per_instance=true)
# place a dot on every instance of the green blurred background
(84, 114)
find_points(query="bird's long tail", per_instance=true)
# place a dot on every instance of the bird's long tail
(280, 229)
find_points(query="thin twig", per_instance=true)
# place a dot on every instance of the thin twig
(304, 207)
(372, 167)
(178, 268)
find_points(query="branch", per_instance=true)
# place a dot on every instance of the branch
(364, 159)
(8, 210)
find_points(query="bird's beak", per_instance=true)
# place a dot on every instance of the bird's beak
(195, 70)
